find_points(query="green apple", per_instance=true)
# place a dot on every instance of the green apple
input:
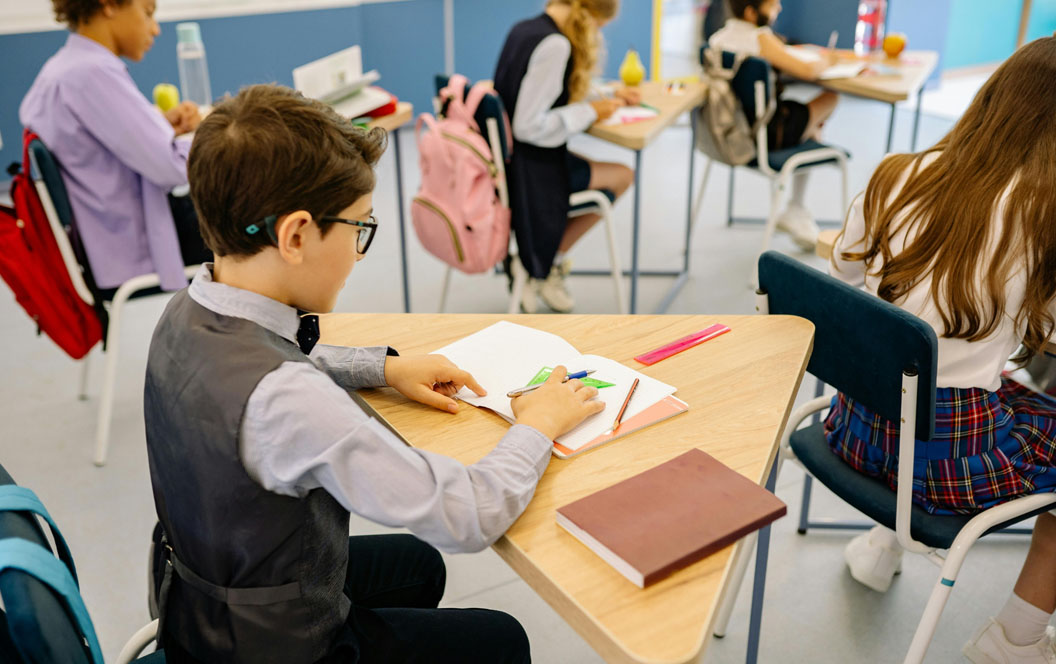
(166, 96)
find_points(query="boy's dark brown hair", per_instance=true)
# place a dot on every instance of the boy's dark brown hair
(271, 151)
(737, 7)
(76, 12)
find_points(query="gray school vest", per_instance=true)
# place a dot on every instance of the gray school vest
(258, 577)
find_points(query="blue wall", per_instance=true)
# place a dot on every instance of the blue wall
(260, 48)
(481, 27)
(1042, 19)
(981, 31)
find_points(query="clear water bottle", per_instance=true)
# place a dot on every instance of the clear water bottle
(869, 33)
(194, 73)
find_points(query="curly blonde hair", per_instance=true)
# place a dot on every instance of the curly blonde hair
(581, 29)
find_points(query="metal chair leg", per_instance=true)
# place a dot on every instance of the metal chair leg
(520, 282)
(444, 288)
(729, 198)
(82, 389)
(777, 192)
(614, 260)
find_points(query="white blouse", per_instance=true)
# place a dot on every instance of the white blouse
(739, 36)
(535, 121)
(961, 363)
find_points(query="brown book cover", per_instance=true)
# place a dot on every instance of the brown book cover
(670, 516)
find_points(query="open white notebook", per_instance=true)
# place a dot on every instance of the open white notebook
(505, 356)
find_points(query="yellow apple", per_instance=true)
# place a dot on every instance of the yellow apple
(166, 96)
(894, 43)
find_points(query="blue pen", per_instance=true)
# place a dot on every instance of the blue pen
(528, 388)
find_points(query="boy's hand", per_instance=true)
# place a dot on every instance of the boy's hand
(184, 118)
(629, 96)
(429, 379)
(604, 108)
(556, 407)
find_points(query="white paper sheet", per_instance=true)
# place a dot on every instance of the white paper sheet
(628, 114)
(506, 356)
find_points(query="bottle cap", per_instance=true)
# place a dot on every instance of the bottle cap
(188, 33)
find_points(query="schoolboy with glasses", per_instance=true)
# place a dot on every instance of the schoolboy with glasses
(258, 454)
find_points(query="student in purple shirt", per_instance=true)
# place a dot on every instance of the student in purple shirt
(119, 155)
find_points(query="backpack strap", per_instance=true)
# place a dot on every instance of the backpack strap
(427, 120)
(35, 560)
(14, 498)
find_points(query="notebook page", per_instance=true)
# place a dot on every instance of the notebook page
(505, 356)
(648, 392)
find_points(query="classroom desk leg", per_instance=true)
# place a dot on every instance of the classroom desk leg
(759, 584)
(399, 209)
(635, 231)
(891, 129)
(683, 276)
(916, 120)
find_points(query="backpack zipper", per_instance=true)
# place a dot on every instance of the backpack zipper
(450, 226)
(464, 143)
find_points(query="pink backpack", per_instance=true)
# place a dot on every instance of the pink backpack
(458, 213)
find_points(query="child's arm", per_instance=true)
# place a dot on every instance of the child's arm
(774, 51)
(851, 239)
(535, 121)
(301, 432)
(353, 367)
(117, 114)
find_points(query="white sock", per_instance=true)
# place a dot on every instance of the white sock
(559, 258)
(1024, 623)
(799, 187)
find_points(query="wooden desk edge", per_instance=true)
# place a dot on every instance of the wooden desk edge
(404, 114)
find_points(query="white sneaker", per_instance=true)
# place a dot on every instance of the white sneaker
(554, 292)
(530, 297)
(797, 221)
(989, 646)
(874, 558)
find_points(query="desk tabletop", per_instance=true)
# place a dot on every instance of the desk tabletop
(739, 387)
(914, 69)
(637, 135)
(404, 113)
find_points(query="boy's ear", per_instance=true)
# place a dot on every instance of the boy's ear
(291, 231)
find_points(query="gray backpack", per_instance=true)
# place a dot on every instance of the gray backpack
(723, 132)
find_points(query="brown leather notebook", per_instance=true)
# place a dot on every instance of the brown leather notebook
(670, 516)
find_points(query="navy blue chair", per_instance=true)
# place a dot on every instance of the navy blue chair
(884, 358)
(47, 177)
(44, 618)
(492, 123)
(753, 85)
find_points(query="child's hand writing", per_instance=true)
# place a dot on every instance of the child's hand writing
(429, 379)
(606, 107)
(630, 96)
(556, 407)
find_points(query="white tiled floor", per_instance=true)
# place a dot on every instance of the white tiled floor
(814, 611)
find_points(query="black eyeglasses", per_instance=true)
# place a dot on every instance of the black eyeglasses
(367, 229)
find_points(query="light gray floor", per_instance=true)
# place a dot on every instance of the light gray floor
(814, 611)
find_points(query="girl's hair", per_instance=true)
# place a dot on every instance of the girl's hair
(581, 29)
(75, 12)
(1000, 158)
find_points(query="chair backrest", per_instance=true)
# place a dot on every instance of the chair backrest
(46, 630)
(862, 344)
(490, 107)
(752, 69)
(60, 213)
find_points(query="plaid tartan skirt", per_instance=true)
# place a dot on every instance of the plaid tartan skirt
(988, 448)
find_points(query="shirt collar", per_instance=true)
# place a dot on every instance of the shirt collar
(741, 24)
(86, 46)
(226, 300)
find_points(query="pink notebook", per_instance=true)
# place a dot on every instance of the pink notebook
(664, 409)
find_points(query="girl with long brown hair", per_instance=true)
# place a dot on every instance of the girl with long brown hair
(543, 77)
(963, 235)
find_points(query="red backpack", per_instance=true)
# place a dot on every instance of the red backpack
(32, 265)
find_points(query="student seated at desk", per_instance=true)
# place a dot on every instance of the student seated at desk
(748, 32)
(118, 153)
(258, 454)
(961, 235)
(543, 77)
